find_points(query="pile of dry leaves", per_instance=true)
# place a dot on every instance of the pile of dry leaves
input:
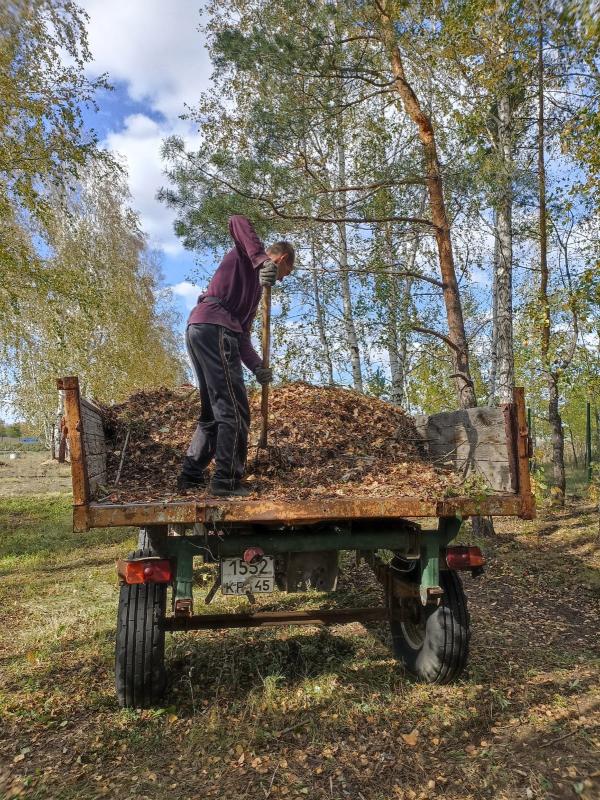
(323, 442)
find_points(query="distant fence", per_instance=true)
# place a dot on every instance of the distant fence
(580, 452)
(24, 444)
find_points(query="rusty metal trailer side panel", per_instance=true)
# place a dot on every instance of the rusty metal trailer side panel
(88, 514)
(305, 512)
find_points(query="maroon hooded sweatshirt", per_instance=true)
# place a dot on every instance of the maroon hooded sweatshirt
(236, 285)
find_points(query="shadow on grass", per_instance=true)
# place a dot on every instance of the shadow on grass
(274, 689)
(233, 664)
(374, 705)
(561, 544)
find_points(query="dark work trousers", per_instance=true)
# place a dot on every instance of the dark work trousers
(222, 431)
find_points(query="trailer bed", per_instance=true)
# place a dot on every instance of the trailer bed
(505, 429)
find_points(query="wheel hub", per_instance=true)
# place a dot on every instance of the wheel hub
(414, 627)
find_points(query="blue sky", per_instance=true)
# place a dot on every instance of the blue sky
(155, 58)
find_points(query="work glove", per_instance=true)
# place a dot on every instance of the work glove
(264, 375)
(267, 274)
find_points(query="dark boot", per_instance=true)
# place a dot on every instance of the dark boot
(185, 483)
(218, 490)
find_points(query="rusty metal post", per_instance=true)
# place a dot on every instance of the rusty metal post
(81, 491)
(216, 514)
(588, 440)
(527, 498)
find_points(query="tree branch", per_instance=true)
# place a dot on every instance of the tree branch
(465, 378)
(307, 217)
(394, 273)
(411, 274)
(339, 220)
(377, 185)
(362, 38)
(442, 336)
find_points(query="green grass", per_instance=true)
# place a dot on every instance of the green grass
(36, 533)
(296, 712)
(576, 479)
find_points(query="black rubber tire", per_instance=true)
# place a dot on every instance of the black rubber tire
(140, 675)
(436, 648)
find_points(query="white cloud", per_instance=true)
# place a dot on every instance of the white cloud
(152, 45)
(188, 292)
(156, 50)
(480, 277)
(139, 143)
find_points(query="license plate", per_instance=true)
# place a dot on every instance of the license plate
(237, 577)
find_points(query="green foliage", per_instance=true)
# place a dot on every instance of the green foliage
(293, 81)
(12, 429)
(106, 318)
(41, 134)
(580, 379)
(539, 482)
(294, 119)
(79, 290)
(43, 89)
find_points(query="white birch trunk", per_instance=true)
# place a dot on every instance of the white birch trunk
(398, 307)
(349, 326)
(56, 426)
(320, 317)
(503, 324)
(392, 306)
(505, 378)
(493, 355)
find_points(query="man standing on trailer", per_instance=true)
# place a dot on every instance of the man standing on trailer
(218, 342)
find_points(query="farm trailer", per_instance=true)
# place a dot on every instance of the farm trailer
(260, 545)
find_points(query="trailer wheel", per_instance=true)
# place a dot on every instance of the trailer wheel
(433, 642)
(140, 674)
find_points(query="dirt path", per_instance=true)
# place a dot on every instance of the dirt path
(32, 472)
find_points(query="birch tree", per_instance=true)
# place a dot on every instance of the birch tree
(108, 323)
(502, 353)
(43, 142)
(298, 185)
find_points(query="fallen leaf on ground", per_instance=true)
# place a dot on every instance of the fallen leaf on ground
(411, 738)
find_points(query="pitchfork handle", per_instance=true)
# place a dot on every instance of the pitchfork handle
(266, 356)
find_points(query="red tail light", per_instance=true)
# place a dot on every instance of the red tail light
(145, 570)
(458, 558)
